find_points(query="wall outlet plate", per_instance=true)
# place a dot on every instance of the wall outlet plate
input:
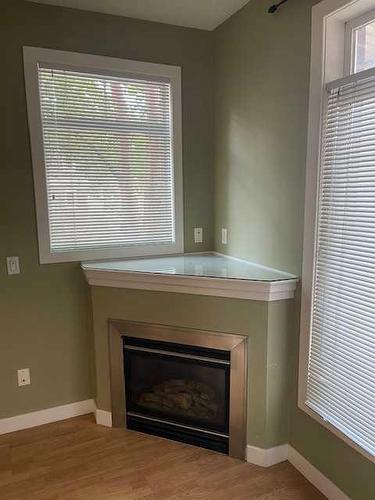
(13, 265)
(198, 235)
(23, 376)
(224, 235)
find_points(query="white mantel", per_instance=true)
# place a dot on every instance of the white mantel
(202, 274)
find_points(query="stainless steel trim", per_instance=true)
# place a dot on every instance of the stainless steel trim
(177, 354)
(138, 415)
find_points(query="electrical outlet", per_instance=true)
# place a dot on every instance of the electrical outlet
(198, 235)
(23, 377)
(224, 235)
(13, 265)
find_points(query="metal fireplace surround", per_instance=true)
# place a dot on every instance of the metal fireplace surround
(236, 345)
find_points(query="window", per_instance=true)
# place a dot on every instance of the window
(341, 381)
(337, 354)
(360, 34)
(106, 144)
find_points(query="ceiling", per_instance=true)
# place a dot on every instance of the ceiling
(203, 14)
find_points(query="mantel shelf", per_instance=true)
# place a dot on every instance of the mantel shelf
(202, 274)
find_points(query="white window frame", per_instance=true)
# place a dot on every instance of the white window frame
(350, 27)
(76, 61)
(328, 63)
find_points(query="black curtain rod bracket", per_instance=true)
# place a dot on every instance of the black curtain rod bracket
(275, 7)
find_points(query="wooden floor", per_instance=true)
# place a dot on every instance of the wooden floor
(79, 460)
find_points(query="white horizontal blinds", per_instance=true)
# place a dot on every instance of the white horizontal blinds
(341, 376)
(108, 159)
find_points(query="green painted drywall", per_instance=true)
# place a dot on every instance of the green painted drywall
(44, 312)
(261, 75)
(277, 396)
(267, 412)
(262, 85)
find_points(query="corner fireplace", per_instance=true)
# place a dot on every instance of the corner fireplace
(178, 391)
(178, 383)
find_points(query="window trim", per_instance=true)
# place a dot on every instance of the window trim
(329, 18)
(350, 27)
(87, 62)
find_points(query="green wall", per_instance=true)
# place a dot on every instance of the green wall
(262, 85)
(261, 96)
(267, 368)
(44, 312)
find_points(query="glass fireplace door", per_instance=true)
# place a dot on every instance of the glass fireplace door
(177, 384)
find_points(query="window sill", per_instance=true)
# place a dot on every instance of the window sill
(202, 274)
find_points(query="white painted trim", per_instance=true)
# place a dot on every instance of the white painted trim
(46, 416)
(327, 64)
(74, 60)
(312, 474)
(272, 456)
(266, 457)
(197, 285)
(103, 417)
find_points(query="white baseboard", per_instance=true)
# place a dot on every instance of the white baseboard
(273, 456)
(46, 416)
(103, 417)
(312, 474)
(266, 457)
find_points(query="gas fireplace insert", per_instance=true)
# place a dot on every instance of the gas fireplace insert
(180, 383)
(178, 391)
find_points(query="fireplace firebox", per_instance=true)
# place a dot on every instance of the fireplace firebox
(178, 391)
(180, 383)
